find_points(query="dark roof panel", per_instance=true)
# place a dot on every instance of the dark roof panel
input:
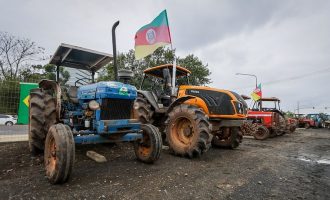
(80, 58)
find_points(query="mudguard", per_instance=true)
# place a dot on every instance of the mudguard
(150, 97)
(179, 101)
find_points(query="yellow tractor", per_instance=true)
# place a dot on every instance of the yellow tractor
(192, 118)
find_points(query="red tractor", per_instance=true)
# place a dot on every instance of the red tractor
(304, 122)
(270, 120)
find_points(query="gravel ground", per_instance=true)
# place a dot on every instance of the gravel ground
(295, 166)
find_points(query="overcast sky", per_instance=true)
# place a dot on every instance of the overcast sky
(285, 43)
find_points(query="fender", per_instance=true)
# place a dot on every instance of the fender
(53, 85)
(150, 97)
(179, 101)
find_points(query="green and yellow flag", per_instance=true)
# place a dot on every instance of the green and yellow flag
(152, 36)
(257, 93)
(23, 109)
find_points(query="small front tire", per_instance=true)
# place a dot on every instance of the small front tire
(231, 142)
(262, 133)
(307, 126)
(59, 153)
(149, 148)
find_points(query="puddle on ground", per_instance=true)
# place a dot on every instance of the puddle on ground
(317, 161)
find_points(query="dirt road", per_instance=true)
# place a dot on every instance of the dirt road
(295, 166)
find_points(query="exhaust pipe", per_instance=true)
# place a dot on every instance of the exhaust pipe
(114, 49)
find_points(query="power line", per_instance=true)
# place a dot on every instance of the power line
(326, 70)
(296, 77)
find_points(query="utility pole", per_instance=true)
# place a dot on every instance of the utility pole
(298, 108)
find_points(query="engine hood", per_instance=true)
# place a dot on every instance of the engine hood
(107, 89)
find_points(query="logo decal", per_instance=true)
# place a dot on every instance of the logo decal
(123, 91)
(194, 91)
(151, 36)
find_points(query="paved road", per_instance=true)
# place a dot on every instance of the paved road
(13, 133)
(13, 130)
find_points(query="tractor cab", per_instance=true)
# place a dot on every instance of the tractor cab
(85, 63)
(158, 80)
(267, 104)
(86, 105)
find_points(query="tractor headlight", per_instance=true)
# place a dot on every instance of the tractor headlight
(93, 105)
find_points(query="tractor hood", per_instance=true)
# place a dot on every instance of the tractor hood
(107, 89)
(218, 101)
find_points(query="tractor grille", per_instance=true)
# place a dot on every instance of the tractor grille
(112, 109)
(218, 103)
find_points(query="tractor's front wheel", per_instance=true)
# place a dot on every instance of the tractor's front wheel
(262, 133)
(148, 149)
(232, 140)
(307, 126)
(59, 153)
(292, 128)
(188, 131)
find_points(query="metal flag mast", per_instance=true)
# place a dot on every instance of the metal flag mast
(173, 73)
(174, 61)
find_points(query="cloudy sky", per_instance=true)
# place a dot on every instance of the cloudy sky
(285, 43)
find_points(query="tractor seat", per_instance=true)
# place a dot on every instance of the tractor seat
(72, 92)
(166, 100)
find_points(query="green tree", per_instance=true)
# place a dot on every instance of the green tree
(38, 72)
(15, 53)
(199, 76)
(289, 114)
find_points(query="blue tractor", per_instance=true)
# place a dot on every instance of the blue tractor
(102, 112)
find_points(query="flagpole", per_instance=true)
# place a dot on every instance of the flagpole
(174, 73)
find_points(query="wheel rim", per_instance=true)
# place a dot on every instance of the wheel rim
(260, 132)
(51, 157)
(183, 131)
(145, 147)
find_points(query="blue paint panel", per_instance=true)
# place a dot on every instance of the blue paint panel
(93, 139)
(107, 89)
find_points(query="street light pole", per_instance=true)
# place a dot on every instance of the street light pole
(250, 75)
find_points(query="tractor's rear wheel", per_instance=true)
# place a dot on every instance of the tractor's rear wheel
(262, 133)
(148, 149)
(188, 131)
(232, 141)
(59, 153)
(42, 116)
(142, 110)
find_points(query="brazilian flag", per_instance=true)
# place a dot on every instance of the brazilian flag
(23, 109)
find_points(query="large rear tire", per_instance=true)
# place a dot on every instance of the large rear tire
(142, 110)
(59, 153)
(149, 148)
(232, 141)
(188, 131)
(42, 114)
(262, 133)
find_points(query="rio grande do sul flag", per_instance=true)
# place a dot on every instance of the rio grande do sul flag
(257, 94)
(152, 36)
